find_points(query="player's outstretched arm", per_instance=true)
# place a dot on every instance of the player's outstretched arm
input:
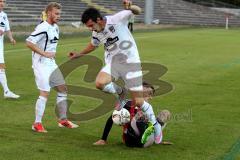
(90, 47)
(10, 36)
(36, 49)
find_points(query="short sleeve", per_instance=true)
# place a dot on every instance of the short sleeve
(37, 35)
(95, 41)
(4, 23)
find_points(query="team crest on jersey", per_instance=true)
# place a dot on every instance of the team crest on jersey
(112, 29)
(54, 40)
(105, 32)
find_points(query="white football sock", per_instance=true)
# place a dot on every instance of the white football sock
(40, 108)
(148, 111)
(62, 105)
(112, 88)
(3, 80)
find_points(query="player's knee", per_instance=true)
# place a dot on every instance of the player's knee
(44, 94)
(99, 85)
(62, 88)
(2, 66)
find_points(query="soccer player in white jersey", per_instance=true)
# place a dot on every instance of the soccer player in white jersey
(43, 43)
(5, 27)
(121, 57)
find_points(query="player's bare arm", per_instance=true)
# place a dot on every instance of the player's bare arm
(36, 49)
(10, 36)
(90, 47)
(1, 32)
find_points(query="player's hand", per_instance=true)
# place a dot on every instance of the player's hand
(127, 4)
(49, 54)
(74, 55)
(13, 41)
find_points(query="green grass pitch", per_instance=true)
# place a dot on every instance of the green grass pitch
(203, 66)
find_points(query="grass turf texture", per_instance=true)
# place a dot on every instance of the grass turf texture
(203, 67)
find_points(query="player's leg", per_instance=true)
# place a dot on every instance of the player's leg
(133, 81)
(131, 27)
(150, 141)
(56, 81)
(3, 78)
(39, 111)
(42, 81)
(107, 128)
(104, 81)
(62, 107)
(139, 128)
(137, 97)
(3, 81)
(62, 101)
(41, 105)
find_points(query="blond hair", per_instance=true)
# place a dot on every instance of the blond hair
(52, 5)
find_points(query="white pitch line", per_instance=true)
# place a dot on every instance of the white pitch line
(73, 44)
(27, 49)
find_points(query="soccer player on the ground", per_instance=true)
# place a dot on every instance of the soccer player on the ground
(134, 131)
(5, 27)
(121, 57)
(43, 43)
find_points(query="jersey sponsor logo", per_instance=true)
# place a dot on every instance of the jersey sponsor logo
(2, 24)
(54, 40)
(111, 41)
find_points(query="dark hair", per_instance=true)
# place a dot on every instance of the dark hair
(147, 85)
(91, 13)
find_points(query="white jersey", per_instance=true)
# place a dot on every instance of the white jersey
(4, 26)
(117, 38)
(46, 37)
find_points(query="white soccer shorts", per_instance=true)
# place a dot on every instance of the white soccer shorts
(47, 77)
(131, 74)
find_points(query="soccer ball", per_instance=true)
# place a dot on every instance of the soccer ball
(121, 117)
